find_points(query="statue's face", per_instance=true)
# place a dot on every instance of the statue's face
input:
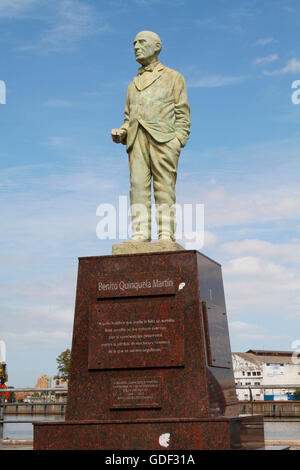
(145, 48)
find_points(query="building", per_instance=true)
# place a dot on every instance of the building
(43, 381)
(60, 396)
(248, 370)
(258, 368)
(19, 396)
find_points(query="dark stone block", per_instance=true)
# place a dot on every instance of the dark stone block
(150, 356)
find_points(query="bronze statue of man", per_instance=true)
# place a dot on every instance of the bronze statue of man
(156, 126)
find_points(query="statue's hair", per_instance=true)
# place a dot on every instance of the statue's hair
(155, 37)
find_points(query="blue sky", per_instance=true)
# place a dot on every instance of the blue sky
(67, 65)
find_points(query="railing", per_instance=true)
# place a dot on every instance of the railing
(46, 407)
(50, 390)
(28, 390)
(290, 388)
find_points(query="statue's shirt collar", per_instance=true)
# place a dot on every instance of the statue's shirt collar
(144, 80)
(148, 68)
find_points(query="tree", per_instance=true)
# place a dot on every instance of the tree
(63, 365)
(297, 394)
(12, 396)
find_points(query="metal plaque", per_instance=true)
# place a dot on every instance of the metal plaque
(135, 333)
(135, 392)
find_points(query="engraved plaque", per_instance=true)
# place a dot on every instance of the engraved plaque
(135, 392)
(135, 333)
(162, 283)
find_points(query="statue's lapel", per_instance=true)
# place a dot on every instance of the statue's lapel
(141, 83)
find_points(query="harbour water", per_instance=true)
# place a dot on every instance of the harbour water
(285, 429)
(274, 429)
(21, 430)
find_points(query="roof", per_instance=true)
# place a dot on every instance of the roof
(265, 357)
(265, 352)
(249, 357)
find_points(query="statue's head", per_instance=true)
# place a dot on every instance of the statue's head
(147, 45)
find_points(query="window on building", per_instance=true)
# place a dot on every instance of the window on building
(253, 373)
(248, 373)
(258, 373)
(243, 373)
(256, 383)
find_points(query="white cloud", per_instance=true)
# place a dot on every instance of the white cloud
(287, 252)
(69, 21)
(262, 61)
(41, 310)
(288, 9)
(38, 337)
(13, 8)
(51, 295)
(252, 334)
(264, 41)
(254, 266)
(230, 23)
(240, 326)
(209, 240)
(257, 286)
(292, 66)
(214, 81)
(230, 210)
(59, 142)
(76, 20)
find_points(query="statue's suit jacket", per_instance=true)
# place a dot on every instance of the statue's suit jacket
(157, 101)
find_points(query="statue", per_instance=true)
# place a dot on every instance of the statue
(156, 127)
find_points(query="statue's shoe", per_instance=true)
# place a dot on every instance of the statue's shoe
(137, 240)
(144, 246)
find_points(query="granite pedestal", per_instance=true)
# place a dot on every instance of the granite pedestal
(151, 361)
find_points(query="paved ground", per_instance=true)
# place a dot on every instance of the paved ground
(13, 444)
(294, 445)
(28, 445)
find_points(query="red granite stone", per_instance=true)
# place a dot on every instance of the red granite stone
(150, 355)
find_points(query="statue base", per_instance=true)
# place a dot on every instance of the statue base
(151, 364)
(221, 433)
(132, 246)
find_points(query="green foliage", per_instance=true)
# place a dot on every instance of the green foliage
(63, 365)
(12, 396)
(297, 394)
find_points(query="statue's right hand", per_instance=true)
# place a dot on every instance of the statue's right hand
(118, 135)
